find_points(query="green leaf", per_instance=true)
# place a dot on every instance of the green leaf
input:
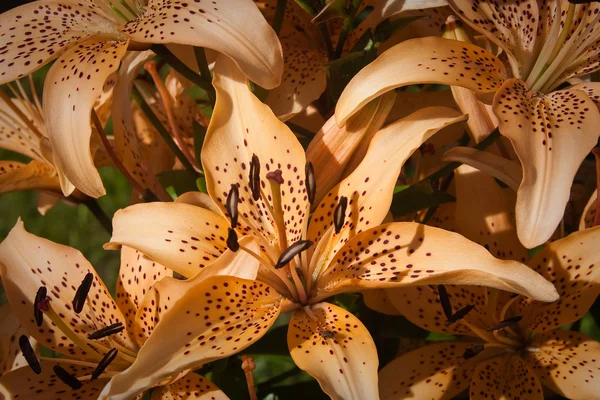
(178, 181)
(201, 184)
(418, 197)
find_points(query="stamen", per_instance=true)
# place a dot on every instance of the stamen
(232, 204)
(248, 366)
(232, 240)
(82, 292)
(107, 331)
(326, 334)
(29, 354)
(460, 314)
(40, 304)
(445, 301)
(473, 351)
(311, 182)
(255, 177)
(506, 323)
(66, 377)
(291, 252)
(275, 181)
(104, 363)
(275, 176)
(339, 215)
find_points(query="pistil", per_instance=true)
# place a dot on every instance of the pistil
(275, 179)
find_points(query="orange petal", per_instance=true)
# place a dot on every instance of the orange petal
(207, 332)
(191, 387)
(36, 175)
(589, 212)
(426, 60)
(15, 135)
(335, 348)
(378, 300)
(567, 362)
(551, 134)
(71, 88)
(11, 357)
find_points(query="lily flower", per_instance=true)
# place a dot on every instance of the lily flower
(551, 129)
(11, 331)
(90, 38)
(264, 186)
(62, 303)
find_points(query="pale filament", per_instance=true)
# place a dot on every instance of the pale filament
(20, 114)
(299, 286)
(278, 214)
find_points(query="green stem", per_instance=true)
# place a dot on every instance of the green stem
(137, 96)
(183, 69)
(279, 14)
(324, 32)
(200, 54)
(99, 213)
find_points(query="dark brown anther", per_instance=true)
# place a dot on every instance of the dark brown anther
(40, 304)
(104, 363)
(66, 377)
(473, 351)
(339, 215)
(29, 354)
(82, 292)
(255, 177)
(291, 252)
(507, 322)
(275, 176)
(460, 314)
(445, 301)
(232, 240)
(107, 331)
(311, 182)
(325, 334)
(232, 204)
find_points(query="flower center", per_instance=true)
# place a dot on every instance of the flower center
(122, 10)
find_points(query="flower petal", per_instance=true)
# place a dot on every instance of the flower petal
(592, 89)
(392, 7)
(332, 147)
(408, 254)
(378, 300)
(571, 265)
(369, 189)
(206, 332)
(507, 377)
(15, 135)
(552, 135)
(244, 126)
(36, 175)
(436, 371)
(180, 236)
(11, 357)
(336, 349)
(28, 262)
(567, 362)
(23, 383)
(233, 27)
(34, 34)
(426, 60)
(190, 387)
(589, 212)
(72, 86)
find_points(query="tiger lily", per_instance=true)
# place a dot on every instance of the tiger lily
(61, 302)
(263, 187)
(10, 334)
(90, 37)
(551, 129)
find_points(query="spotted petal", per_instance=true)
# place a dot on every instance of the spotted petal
(552, 135)
(336, 349)
(190, 387)
(34, 34)
(571, 264)
(28, 262)
(408, 254)
(378, 300)
(437, 371)
(14, 134)
(72, 86)
(507, 377)
(181, 237)
(37, 175)
(233, 27)
(589, 212)
(426, 60)
(207, 332)
(10, 330)
(567, 362)
(244, 126)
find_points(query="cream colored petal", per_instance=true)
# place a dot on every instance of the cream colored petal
(36, 175)
(571, 265)
(567, 362)
(15, 135)
(378, 300)
(335, 348)
(181, 237)
(409, 254)
(426, 60)
(207, 332)
(392, 7)
(233, 27)
(72, 86)
(436, 371)
(28, 262)
(199, 199)
(191, 387)
(332, 147)
(36, 33)
(482, 120)
(47, 201)
(551, 134)
(592, 89)
(11, 357)
(241, 126)
(507, 378)
(589, 212)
